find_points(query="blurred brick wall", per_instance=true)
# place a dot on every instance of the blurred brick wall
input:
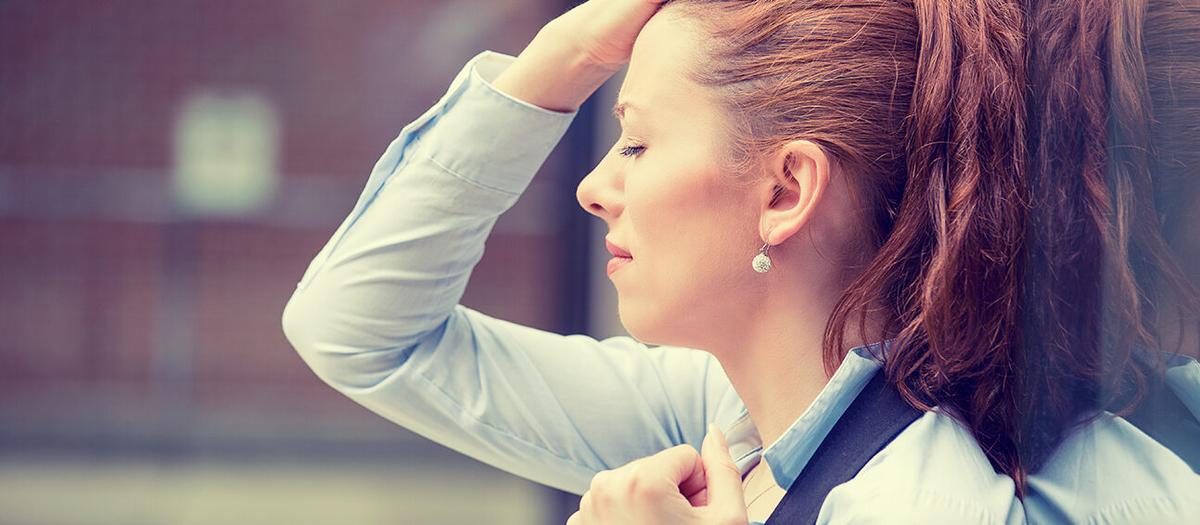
(89, 91)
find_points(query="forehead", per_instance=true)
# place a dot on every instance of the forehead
(658, 80)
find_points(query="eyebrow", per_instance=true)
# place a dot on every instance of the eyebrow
(618, 110)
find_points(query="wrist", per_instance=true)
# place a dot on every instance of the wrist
(553, 77)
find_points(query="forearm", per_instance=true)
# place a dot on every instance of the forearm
(552, 76)
(400, 261)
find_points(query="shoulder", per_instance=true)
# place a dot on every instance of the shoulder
(933, 472)
(1109, 471)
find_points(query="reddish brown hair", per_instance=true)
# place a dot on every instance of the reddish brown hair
(922, 102)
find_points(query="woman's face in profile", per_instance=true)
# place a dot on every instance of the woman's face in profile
(667, 201)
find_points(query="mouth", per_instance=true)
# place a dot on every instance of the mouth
(621, 256)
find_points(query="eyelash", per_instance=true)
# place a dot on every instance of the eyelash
(630, 151)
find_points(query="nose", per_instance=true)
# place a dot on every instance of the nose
(599, 193)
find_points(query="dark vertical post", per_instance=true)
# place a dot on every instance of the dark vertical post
(573, 240)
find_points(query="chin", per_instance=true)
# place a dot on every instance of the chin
(631, 322)
(640, 325)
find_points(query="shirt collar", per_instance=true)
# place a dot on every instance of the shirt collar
(1183, 377)
(788, 456)
(791, 452)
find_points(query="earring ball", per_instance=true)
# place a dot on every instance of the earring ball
(761, 263)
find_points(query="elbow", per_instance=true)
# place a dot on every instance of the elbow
(302, 329)
(346, 364)
(297, 326)
(309, 336)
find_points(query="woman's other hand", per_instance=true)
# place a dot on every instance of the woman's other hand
(574, 54)
(675, 486)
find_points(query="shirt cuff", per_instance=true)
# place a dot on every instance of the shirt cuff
(491, 138)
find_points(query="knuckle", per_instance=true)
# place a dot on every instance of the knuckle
(637, 480)
(733, 470)
(677, 449)
(645, 491)
(600, 479)
(680, 452)
(686, 448)
(585, 503)
(601, 488)
(641, 486)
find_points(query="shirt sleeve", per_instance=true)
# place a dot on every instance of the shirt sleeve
(376, 313)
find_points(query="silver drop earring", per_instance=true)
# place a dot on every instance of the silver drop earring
(761, 262)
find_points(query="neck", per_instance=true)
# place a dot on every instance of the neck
(776, 364)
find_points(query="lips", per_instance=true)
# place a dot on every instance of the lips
(621, 256)
(616, 263)
(616, 251)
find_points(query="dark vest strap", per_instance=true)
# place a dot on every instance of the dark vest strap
(871, 421)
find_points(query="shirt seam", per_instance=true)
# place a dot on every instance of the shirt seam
(1126, 504)
(982, 510)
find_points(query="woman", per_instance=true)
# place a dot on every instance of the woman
(785, 131)
(1109, 430)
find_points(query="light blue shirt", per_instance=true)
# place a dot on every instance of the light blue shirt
(376, 315)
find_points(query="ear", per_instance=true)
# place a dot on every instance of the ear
(798, 175)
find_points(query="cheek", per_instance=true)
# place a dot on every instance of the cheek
(685, 224)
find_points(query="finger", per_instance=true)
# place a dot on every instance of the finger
(699, 499)
(724, 479)
(693, 481)
(682, 469)
(575, 519)
(680, 464)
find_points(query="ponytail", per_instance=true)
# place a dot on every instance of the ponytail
(951, 269)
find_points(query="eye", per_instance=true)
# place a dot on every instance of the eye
(630, 151)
